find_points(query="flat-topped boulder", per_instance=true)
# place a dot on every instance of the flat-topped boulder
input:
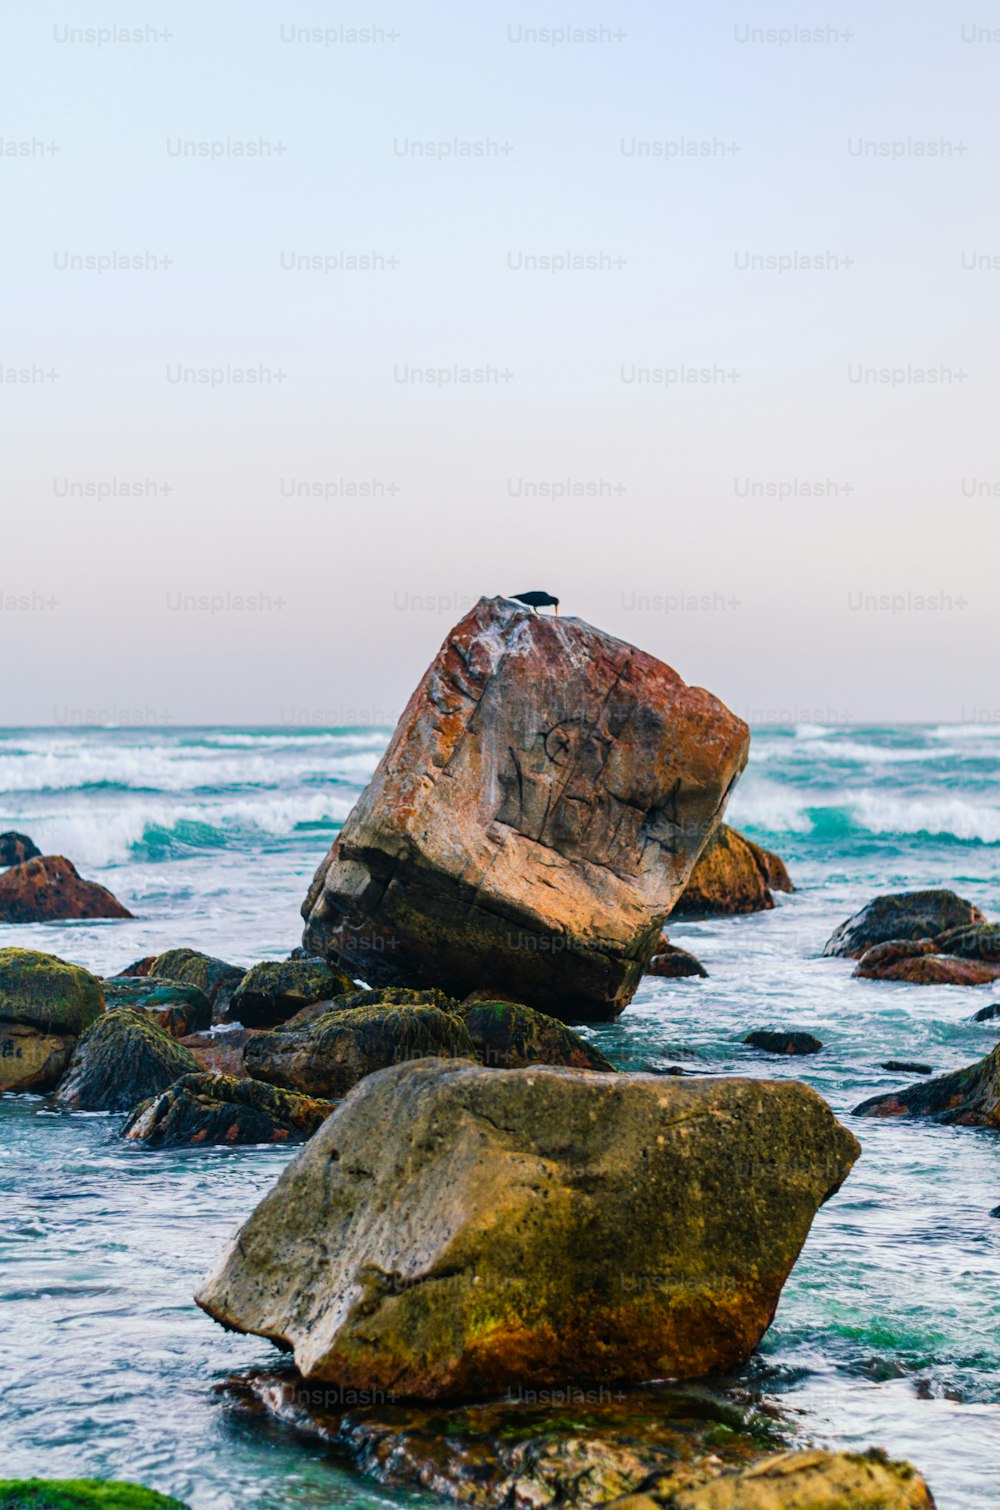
(49, 889)
(45, 1004)
(534, 819)
(904, 915)
(453, 1230)
(733, 875)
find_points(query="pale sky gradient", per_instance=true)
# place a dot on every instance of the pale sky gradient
(361, 591)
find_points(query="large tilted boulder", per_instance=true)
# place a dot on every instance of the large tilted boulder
(966, 1098)
(16, 848)
(174, 1005)
(535, 817)
(899, 916)
(45, 1004)
(459, 1231)
(733, 875)
(49, 889)
(329, 1055)
(203, 1109)
(121, 1060)
(273, 991)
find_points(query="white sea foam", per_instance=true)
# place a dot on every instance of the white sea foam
(171, 769)
(759, 804)
(957, 817)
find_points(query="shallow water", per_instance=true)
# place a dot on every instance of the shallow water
(888, 1330)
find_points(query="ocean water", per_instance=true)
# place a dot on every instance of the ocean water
(888, 1331)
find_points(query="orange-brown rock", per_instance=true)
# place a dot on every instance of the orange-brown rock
(915, 961)
(454, 1230)
(49, 890)
(733, 875)
(535, 817)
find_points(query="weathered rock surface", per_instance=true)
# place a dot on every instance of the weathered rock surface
(48, 889)
(918, 962)
(142, 966)
(899, 916)
(16, 848)
(535, 817)
(673, 963)
(783, 1041)
(81, 1494)
(220, 1051)
(459, 1231)
(174, 1005)
(201, 1109)
(968, 1098)
(328, 1056)
(733, 875)
(215, 977)
(507, 1036)
(798, 1481)
(121, 1060)
(979, 941)
(273, 991)
(44, 1005)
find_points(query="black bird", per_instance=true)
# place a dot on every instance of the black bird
(537, 600)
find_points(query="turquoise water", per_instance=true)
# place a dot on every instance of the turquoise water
(888, 1331)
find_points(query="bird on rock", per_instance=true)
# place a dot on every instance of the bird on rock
(537, 600)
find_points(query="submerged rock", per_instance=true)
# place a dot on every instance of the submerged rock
(733, 875)
(81, 1494)
(174, 1005)
(330, 1055)
(273, 991)
(783, 1042)
(122, 1059)
(217, 978)
(507, 1035)
(906, 1067)
(534, 819)
(969, 1097)
(202, 1109)
(900, 916)
(49, 889)
(986, 1014)
(16, 848)
(459, 1231)
(45, 1004)
(916, 961)
(673, 963)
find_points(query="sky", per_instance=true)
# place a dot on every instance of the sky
(322, 321)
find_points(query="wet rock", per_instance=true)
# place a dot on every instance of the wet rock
(215, 977)
(45, 1004)
(16, 848)
(906, 1067)
(507, 1035)
(330, 1055)
(142, 966)
(204, 1109)
(979, 941)
(733, 875)
(969, 1097)
(273, 991)
(49, 890)
(986, 1014)
(901, 915)
(782, 1042)
(174, 1005)
(219, 1050)
(121, 1060)
(995, 1212)
(534, 819)
(917, 962)
(81, 1494)
(673, 963)
(811, 1480)
(452, 1230)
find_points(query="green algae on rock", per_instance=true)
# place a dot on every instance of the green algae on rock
(508, 1035)
(81, 1494)
(273, 991)
(122, 1059)
(44, 1004)
(216, 977)
(457, 1231)
(207, 1109)
(176, 1006)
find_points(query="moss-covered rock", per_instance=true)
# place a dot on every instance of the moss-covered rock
(49, 889)
(508, 1035)
(453, 1230)
(81, 1494)
(327, 1057)
(206, 1108)
(121, 1060)
(273, 991)
(174, 1005)
(977, 941)
(968, 1098)
(733, 875)
(215, 977)
(901, 915)
(46, 993)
